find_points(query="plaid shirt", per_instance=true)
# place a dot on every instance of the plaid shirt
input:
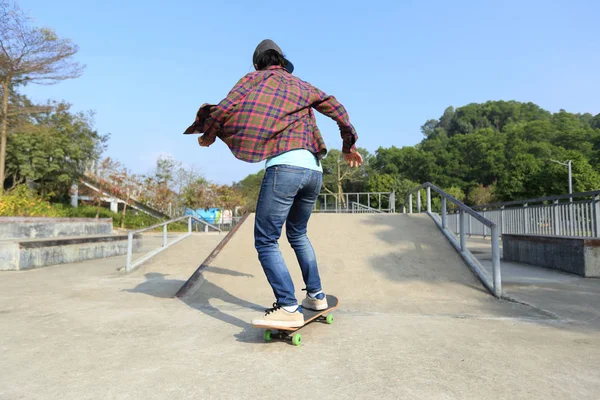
(270, 112)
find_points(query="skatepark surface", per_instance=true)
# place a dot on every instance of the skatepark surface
(414, 323)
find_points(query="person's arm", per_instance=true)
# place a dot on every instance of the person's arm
(329, 106)
(221, 111)
(198, 125)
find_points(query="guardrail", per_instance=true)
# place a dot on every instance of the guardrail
(576, 214)
(495, 286)
(130, 266)
(342, 203)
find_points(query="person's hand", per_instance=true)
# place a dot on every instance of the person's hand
(203, 141)
(354, 159)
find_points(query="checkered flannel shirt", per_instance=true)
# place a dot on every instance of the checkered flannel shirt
(270, 112)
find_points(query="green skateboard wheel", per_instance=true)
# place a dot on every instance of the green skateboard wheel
(267, 335)
(296, 339)
(329, 319)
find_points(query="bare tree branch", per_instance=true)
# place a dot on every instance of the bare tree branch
(327, 189)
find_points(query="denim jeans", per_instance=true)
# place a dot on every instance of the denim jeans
(287, 195)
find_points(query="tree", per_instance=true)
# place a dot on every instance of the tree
(126, 186)
(228, 197)
(480, 195)
(199, 194)
(249, 188)
(52, 149)
(390, 183)
(336, 172)
(28, 55)
(105, 176)
(162, 187)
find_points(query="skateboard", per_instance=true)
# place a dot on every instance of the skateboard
(290, 334)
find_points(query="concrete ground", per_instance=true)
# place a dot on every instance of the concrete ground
(571, 298)
(413, 323)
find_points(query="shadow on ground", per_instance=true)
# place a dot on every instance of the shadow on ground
(158, 285)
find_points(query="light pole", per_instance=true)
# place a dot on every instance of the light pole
(568, 164)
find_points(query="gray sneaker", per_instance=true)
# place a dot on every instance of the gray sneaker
(317, 303)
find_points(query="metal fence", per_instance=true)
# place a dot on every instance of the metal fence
(130, 264)
(575, 215)
(494, 284)
(344, 203)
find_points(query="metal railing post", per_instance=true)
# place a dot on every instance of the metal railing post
(418, 201)
(502, 229)
(555, 219)
(444, 216)
(165, 235)
(129, 250)
(595, 216)
(457, 221)
(428, 199)
(205, 228)
(496, 261)
(190, 225)
(410, 201)
(526, 217)
(471, 227)
(463, 236)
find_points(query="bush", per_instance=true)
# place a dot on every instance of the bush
(133, 220)
(24, 202)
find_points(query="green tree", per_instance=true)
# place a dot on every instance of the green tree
(479, 195)
(249, 189)
(28, 55)
(53, 149)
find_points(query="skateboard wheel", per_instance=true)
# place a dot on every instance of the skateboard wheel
(329, 319)
(267, 335)
(296, 339)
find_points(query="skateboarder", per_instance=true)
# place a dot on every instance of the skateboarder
(268, 116)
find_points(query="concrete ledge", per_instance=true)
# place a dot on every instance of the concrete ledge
(576, 255)
(19, 228)
(29, 254)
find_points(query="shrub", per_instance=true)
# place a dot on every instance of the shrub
(24, 202)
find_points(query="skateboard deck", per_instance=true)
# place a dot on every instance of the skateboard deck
(288, 333)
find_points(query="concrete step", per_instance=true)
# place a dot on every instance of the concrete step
(16, 255)
(21, 228)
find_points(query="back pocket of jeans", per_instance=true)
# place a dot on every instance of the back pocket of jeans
(288, 181)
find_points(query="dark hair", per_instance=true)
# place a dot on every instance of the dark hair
(270, 58)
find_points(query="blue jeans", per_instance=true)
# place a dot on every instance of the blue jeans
(287, 195)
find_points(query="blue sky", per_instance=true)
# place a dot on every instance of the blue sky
(393, 64)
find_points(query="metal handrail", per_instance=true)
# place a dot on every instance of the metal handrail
(495, 287)
(356, 205)
(129, 266)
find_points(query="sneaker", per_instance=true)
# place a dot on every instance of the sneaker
(277, 316)
(318, 303)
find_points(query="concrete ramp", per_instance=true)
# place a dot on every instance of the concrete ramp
(413, 323)
(372, 262)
